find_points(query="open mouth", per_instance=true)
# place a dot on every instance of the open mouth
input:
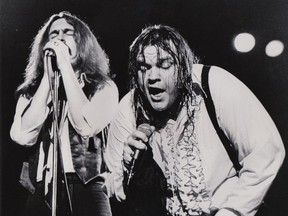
(155, 91)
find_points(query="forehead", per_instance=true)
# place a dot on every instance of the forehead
(153, 53)
(60, 24)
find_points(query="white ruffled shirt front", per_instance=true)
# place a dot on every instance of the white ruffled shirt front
(245, 122)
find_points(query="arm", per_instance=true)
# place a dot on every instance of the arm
(98, 112)
(26, 137)
(121, 127)
(31, 114)
(74, 93)
(34, 113)
(254, 135)
(87, 116)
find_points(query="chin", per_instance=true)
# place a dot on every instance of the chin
(158, 107)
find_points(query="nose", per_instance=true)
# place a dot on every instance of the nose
(61, 36)
(154, 75)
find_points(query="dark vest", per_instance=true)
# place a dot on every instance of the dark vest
(87, 155)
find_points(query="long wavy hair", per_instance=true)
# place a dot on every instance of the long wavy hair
(168, 39)
(91, 59)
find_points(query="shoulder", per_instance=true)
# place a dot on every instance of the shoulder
(109, 87)
(219, 78)
(110, 84)
(224, 83)
(218, 74)
(126, 103)
(196, 73)
(126, 106)
(215, 72)
(125, 111)
(108, 93)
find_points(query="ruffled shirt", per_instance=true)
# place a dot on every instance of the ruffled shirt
(244, 121)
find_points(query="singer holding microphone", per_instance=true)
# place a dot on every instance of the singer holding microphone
(65, 60)
(183, 168)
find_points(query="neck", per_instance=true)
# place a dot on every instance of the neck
(160, 118)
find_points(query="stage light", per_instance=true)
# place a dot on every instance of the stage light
(244, 42)
(274, 48)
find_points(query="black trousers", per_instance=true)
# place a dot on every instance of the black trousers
(87, 200)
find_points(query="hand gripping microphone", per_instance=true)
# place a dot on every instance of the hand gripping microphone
(146, 129)
(48, 53)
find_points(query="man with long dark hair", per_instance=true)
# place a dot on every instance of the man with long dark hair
(66, 50)
(184, 168)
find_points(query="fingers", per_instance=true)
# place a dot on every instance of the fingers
(58, 46)
(127, 154)
(60, 50)
(139, 135)
(135, 141)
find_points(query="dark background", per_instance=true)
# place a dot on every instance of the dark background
(209, 27)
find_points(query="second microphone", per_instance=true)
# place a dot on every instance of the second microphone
(147, 130)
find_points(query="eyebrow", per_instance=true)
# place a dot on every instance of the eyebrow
(161, 59)
(64, 30)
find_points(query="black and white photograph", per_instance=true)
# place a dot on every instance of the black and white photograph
(143, 108)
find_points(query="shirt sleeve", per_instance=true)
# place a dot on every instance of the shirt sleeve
(254, 136)
(25, 137)
(99, 111)
(120, 128)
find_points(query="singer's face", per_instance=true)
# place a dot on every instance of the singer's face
(63, 31)
(157, 77)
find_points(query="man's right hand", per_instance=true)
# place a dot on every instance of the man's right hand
(136, 140)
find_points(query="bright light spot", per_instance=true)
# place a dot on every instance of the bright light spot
(244, 42)
(274, 48)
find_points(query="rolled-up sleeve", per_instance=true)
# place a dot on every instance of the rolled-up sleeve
(25, 137)
(99, 111)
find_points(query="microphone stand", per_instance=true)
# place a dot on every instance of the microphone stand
(55, 145)
(54, 84)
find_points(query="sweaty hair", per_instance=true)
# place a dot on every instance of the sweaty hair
(168, 39)
(91, 58)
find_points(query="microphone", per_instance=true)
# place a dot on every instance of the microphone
(146, 129)
(48, 53)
